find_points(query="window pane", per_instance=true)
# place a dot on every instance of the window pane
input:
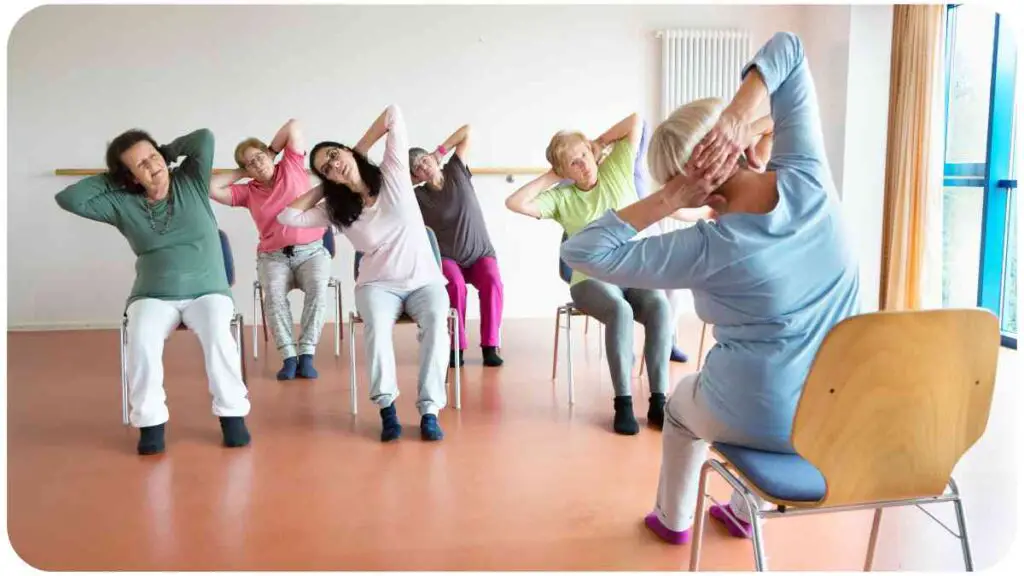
(970, 85)
(961, 245)
(1008, 309)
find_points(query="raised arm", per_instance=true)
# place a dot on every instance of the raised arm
(631, 127)
(197, 147)
(289, 135)
(220, 186)
(779, 69)
(306, 211)
(95, 198)
(604, 250)
(459, 140)
(524, 200)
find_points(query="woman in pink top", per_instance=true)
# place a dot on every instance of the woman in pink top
(287, 257)
(376, 209)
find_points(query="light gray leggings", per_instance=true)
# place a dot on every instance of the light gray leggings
(308, 269)
(428, 307)
(617, 308)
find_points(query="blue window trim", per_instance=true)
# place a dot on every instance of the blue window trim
(993, 222)
(992, 176)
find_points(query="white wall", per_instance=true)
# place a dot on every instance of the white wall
(864, 154)
(78, 75)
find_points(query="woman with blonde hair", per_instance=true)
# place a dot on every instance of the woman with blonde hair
(773, 273)
(596, 187)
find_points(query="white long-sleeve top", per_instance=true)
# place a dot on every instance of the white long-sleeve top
(391, 234)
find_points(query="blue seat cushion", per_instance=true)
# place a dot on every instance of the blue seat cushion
(781, 476)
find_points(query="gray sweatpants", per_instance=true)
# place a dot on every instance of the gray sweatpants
(428, 307)
(617, 308)
(308, 269)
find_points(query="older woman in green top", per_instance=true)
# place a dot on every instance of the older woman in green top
(179, 272)
(596, 188)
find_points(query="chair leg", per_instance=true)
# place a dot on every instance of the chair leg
(454, 315)
(586, 325)
(257, 301)
(869, 561)
(961, 521)
(700, 349)
(338, 337)
(568, 355)
(558, 327)
(352, 361)
(698, 525)
(124, 371)
(754, 512)
(240, 334)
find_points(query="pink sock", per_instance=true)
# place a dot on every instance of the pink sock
(670, 536)
(736, 527)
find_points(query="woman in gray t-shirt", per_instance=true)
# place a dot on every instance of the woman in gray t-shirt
(449, 206)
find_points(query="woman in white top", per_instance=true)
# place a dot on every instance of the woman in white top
(375, 208)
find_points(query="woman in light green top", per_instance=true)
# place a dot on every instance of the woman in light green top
(179, 272)
(595, 189)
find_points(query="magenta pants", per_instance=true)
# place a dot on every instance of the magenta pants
(485, 277)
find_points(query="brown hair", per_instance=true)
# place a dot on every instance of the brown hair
(245, 145)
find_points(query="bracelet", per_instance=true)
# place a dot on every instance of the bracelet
(442, 149)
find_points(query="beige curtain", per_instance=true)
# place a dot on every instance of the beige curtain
(913, 176)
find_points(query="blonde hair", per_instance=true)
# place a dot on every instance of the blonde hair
(245, 145)
(674, 139)
(559, 145)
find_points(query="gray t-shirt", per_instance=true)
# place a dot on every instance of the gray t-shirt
(454, 214)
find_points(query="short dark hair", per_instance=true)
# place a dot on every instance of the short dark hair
(116, 169)
(344, 205)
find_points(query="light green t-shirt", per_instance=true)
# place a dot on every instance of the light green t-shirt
(574, 208)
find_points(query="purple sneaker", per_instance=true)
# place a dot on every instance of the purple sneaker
(736, 527)
(670, 536)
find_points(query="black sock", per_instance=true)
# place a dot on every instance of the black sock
(392, 429)
(656, 411)
(151, 440)
(235, 433)
(430, 430)
(625, 422)
(287, 371)
(491, 357)
(305, 368)
(451, 358)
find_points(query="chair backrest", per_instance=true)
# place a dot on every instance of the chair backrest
(229, 259)
(329, 241)
(433, 246)
(894, 399)
(564, 271)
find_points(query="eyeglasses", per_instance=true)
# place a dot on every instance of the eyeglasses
(256, 159)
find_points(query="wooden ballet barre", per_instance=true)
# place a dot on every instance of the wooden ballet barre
(509, 171)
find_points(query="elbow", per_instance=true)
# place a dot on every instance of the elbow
(512, 204)
(578, 254)
(206, 135)
(790, 41)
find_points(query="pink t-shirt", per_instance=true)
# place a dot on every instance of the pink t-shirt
(290, 182)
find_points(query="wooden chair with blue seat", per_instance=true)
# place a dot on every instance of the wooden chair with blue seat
(237, 326)
(453, 330)
(259, 309)
(892, 402)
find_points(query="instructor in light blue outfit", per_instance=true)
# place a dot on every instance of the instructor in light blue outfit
(773, 274)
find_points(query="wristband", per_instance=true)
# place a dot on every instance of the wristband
(442, 149)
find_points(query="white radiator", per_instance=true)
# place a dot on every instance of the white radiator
(700, 64)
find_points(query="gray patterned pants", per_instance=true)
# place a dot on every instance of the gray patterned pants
(308, 269)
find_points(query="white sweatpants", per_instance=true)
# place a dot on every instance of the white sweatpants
(150, 322)
(689, 428)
